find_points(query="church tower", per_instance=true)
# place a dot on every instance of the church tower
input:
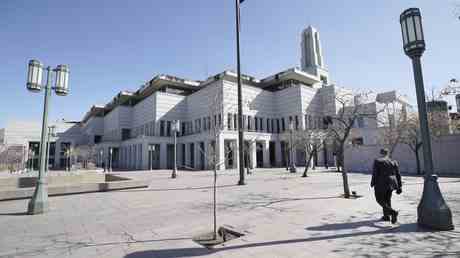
(312, 60)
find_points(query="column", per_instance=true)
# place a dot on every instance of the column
(206, 154)
(197, 155)
(252, 154)
(278, 156)
(266, 154)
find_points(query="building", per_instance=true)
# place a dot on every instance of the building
(134, 130)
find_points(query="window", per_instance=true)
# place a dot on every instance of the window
(297, 122)
(162, 128)
(283, 124)
(273, 125)
(360, 122)
(357, 141)
(268, 125)
(209, 122)
(235, 121)
(168, 128)
(220, 120)
(278, 125)
(256, 124)
(249, 123)
(261, 125)
(229, 121)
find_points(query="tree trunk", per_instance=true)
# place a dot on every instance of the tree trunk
(307, 164)
(346, 187)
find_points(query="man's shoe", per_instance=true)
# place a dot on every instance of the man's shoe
(385, 218)
(394, 217)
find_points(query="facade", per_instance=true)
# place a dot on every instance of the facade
(134, 130)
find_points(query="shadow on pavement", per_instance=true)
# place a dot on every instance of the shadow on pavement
(190, 252)
(14, 214)
(176, 189)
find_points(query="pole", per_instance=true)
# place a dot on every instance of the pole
(48, 149)
(432, 210)
(174, 173)
(39, 202)
(240, 104)
(293, 168)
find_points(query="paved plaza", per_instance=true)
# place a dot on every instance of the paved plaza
(281, 215)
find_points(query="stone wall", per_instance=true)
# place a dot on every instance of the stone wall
(446, 157)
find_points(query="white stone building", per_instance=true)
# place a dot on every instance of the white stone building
(136, 127)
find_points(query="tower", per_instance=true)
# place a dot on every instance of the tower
(312, 60)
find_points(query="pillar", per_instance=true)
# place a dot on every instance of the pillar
(266, 154)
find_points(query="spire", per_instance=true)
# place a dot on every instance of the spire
(312, 56)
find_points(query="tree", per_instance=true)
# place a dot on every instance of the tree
(214, 125)
(312, 141)
(393, 125)
(350, 108)
(411, 137)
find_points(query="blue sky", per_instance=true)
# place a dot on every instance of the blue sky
(117, 45)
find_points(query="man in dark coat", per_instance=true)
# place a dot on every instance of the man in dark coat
(385, 179)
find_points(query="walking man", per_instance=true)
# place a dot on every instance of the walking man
(385, 179)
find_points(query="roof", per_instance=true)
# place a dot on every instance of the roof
(159, 81)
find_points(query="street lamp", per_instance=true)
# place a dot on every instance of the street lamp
(39, 202)
(51, 133)
(292, 168)
(240, 104)
(110, 159)
(432, 210)
(175, 129)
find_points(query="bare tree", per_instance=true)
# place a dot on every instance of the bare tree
(312, 141)
(412, 137)
(214, 125)
(342, 123)
(392, 124)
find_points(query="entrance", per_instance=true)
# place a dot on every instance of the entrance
(154, 156)
(272, 151)
(192, 155)
(260, 154)
(170, 156)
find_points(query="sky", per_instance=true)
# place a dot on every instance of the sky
(114, 45)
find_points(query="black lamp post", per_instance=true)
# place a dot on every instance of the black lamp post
(240, 104)
(432, 210)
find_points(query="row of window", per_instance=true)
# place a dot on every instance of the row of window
(250, 123)
(273, 125)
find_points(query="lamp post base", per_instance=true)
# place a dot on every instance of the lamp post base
(432, 211)
(293, 169)
(39, 202)
(174, 174)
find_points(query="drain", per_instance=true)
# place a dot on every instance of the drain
(224, 234)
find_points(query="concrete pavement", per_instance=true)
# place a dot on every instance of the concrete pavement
(281, 214)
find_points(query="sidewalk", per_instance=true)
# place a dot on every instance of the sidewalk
(282, 215)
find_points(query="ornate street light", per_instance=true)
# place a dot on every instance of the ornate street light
(432, 210)
(176, 130)
(292, 168)
(39, 202)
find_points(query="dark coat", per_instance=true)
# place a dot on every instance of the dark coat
(386, 175)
